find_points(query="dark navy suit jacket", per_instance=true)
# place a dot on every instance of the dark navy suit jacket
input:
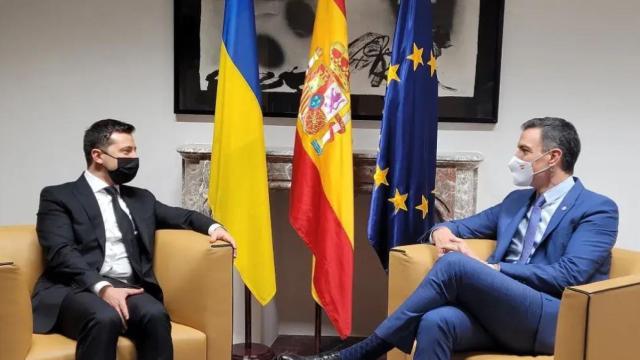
(72, 234)
(575, 248)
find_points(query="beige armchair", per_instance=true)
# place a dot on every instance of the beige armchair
(194, 275)
(598, 321)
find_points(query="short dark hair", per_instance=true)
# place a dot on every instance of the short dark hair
(98, 135)
(558, 133)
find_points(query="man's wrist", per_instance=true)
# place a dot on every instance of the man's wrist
(104, 289)
(100, 287)
(213, 228)
(435, 228)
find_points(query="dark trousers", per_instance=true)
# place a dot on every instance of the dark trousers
(95, 325)
(463, 305)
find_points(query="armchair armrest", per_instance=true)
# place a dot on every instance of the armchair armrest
(409, 264)
(196, 278)
(600, 320)
(16, 325)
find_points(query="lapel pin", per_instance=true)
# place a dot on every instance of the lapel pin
(564, 208)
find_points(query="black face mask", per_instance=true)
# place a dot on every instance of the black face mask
(126, 170)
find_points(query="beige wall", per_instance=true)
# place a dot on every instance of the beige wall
(66, 63)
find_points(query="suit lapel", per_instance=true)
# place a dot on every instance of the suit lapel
(519, 207)
(564, 207)
(87, 199)
(137, 209)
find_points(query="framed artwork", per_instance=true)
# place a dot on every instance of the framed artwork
(467, 43)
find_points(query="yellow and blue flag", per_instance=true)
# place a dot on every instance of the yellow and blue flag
(238, 187)
(404, 179)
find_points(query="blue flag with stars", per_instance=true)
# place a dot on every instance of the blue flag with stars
(404, 180)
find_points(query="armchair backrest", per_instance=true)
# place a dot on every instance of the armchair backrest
(624, 262)
(19, 244)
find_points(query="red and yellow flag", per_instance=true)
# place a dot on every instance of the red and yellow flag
(321, 209)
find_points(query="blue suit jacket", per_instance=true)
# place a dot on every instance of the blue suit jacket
(575, 248)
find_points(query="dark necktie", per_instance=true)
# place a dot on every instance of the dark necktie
(530, 234)
(126, 229)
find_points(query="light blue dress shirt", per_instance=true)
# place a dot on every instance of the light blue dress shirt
(553, 198)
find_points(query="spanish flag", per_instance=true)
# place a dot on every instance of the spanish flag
(321, 209)
(238, 188)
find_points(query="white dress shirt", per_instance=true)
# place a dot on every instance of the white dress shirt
(116, 261)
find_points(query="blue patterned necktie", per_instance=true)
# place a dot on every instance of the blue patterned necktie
(530, 234)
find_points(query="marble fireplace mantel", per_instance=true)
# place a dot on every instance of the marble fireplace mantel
(456, 177)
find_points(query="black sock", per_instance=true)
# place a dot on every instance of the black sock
(370, 348)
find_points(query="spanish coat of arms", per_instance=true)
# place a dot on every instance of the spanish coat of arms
(325, 107)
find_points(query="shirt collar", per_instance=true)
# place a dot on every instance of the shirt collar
(96, 183)
(558, 191)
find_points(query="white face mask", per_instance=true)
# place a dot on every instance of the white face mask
(522, 171)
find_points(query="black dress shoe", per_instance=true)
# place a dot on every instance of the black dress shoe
(331, 355)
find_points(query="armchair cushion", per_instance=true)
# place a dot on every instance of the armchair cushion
(188, 343)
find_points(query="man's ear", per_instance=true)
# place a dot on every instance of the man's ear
(95, 156)
(556, 157)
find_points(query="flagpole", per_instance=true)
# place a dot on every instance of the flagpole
(318, 329)
(247, 319)
(249, 349)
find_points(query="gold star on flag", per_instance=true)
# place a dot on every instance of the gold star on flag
(432, 64)
(380, 177)
(416, 56)
(398, 201)
(424, 207)
(392, 74)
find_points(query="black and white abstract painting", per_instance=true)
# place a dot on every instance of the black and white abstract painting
(466, 44)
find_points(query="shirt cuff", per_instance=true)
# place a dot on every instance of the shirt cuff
(213, 228)
(99, 286)
(431, 232)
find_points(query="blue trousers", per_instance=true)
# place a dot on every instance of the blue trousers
(464, 305)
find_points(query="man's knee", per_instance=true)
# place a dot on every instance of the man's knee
(455, 261)
(106, 320)
(156, 315)
(434, 322)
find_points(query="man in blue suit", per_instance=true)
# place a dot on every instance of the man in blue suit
(550, 236)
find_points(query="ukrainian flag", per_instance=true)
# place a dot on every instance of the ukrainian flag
(238, 188)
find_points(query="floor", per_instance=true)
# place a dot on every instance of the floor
(305, 345)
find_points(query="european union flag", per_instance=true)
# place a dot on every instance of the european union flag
(402, 202)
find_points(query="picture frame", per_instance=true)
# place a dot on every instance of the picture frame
(192, 95)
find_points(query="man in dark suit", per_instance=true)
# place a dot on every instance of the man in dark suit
(550, 236)
(98, 239)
